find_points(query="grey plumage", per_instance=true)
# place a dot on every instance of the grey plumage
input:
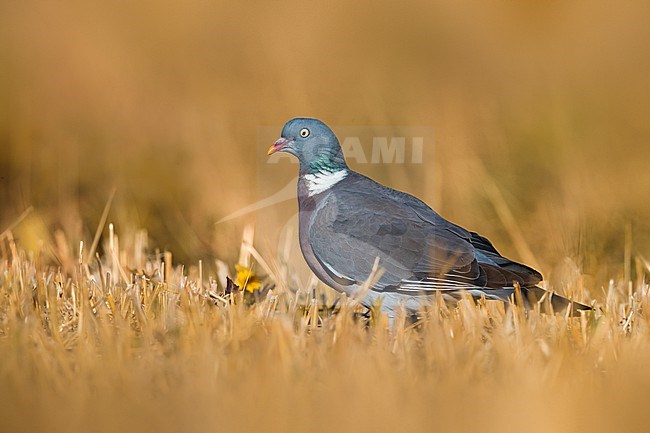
(347, 220)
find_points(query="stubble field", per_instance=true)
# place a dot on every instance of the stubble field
(131, 133)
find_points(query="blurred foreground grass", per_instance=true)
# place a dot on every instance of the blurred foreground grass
(129, 342)
(540, 115)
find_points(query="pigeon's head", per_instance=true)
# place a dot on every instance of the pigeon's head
(312, 142)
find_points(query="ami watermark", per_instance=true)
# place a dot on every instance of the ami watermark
(372, 150)
(375, 151)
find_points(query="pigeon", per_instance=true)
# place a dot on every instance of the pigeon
(350, 225)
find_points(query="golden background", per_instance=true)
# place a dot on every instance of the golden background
(546, 104)
(539, 113)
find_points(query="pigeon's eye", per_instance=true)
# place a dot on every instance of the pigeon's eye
(304, 132)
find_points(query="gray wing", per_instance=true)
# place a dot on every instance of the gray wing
(350, 230)
(418, 250)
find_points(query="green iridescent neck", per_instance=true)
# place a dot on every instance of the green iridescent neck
(327, 161)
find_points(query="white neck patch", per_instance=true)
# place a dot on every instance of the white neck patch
(319, 182)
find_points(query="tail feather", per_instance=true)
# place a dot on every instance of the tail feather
(533, 295)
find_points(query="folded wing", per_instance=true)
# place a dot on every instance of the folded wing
(418, 250)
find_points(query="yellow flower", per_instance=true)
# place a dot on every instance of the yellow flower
(247, 280)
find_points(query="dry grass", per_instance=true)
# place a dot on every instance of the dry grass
(540, 116)
(102, 348)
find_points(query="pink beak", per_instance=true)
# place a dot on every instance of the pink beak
(277, 146)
